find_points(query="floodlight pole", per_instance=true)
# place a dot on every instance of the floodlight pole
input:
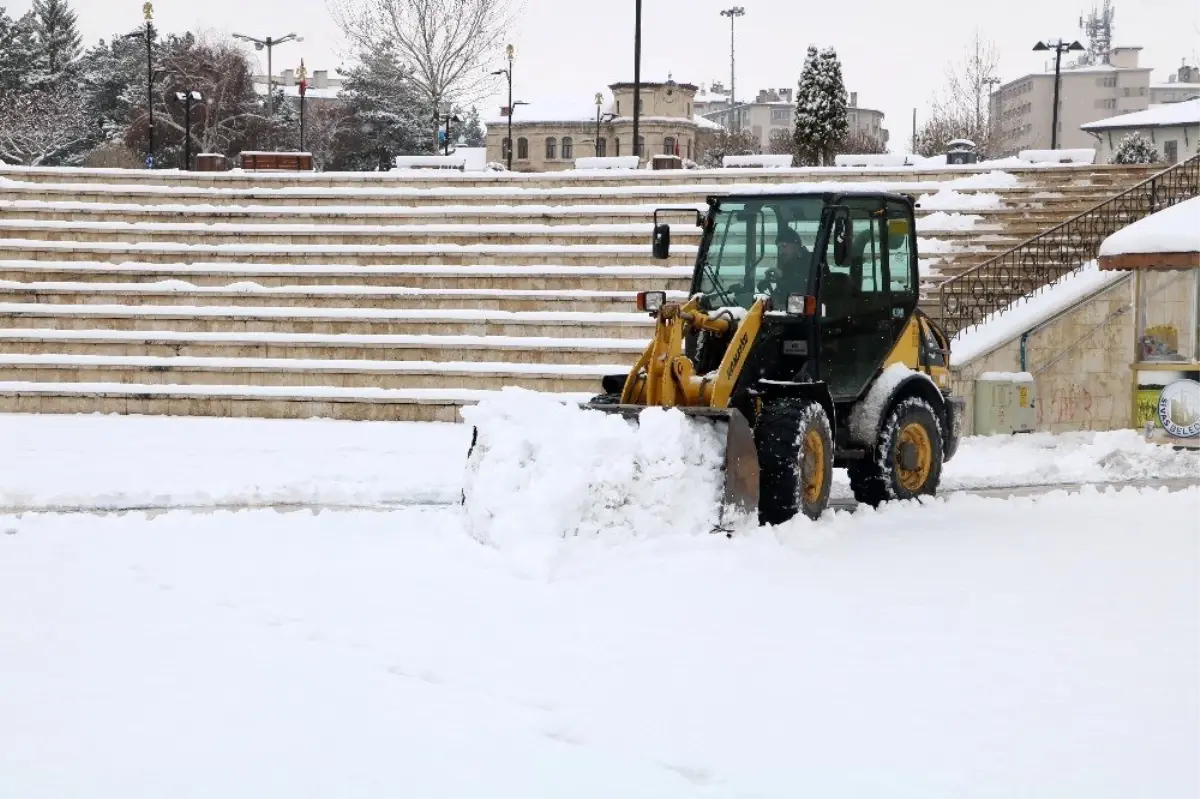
(1059, 47)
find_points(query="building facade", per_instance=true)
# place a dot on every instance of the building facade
(322, 86)
(1174, 128)
(668, 124)
(1183, 85)
(773, 112)
(1022, 110)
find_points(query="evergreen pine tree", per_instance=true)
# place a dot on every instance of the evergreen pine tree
(392, 116)
(112, 80)
(18, 53)
(1135, 149)
(821, 116)
(57, 36)
(472, 133)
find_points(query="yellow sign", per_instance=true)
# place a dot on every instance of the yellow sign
(1024, 394)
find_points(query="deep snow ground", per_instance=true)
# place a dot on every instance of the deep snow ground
(968, 647)
(92, 462)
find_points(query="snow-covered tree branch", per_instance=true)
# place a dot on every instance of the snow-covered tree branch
(41, 127)
(446, 45)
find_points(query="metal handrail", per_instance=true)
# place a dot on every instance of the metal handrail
(968, 298)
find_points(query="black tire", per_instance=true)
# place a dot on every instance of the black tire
(891, 473)
(795, 459)
(606, 399)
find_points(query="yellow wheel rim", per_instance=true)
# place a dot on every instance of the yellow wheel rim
(916, 436)
(813, 466)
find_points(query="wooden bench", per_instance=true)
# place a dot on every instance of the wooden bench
(277, 162)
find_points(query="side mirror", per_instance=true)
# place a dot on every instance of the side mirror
(842, 234)
(662, 241)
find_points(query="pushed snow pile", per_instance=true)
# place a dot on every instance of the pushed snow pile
(543, 469)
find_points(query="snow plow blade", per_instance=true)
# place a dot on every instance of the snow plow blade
(741, 456)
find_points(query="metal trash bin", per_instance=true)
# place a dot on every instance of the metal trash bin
(961, 151)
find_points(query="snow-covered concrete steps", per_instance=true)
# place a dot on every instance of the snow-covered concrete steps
(365, 297)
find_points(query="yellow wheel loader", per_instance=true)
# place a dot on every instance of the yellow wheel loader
(801, 335)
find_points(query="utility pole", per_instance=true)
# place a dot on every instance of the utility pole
(302, 82)
(733, 14)
(637, 75)
(986, 86)
(1059, 47)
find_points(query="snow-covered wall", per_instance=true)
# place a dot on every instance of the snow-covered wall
(1081, 359)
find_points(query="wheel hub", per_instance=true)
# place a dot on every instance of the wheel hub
(909, 458)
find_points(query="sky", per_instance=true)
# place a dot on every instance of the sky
(894, 55)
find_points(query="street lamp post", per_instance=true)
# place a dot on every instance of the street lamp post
(187, 98)
(269, 43)
(637, 75)
(733, 13)
(1059, 47)
(148, 33)
(596, 143)
(447, 117)
(509, 52)
(302, 82)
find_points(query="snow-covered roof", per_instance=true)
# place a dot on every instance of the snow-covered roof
(330, 93)
(1184, 113)
(1171, 230)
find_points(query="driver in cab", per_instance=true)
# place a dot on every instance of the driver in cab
(792, 266)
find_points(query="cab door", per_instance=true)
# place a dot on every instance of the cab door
(855, 314)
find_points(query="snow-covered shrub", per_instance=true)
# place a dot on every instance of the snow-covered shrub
(1135, 149)
(113, 156)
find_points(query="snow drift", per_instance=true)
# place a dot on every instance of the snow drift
(542, 469)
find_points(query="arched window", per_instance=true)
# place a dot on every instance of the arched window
(617, 147)
(689, 149)
(568, 148)
(668, 145)
(641, 145)
(551, 148)
(505, 146)
(523, 148)
(601, 148)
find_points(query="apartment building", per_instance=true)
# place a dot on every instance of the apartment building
(1023, 109)
(322, 86)
(1182, 85)
(774, 110)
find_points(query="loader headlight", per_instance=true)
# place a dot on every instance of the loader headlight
(651, 301)
(801, 305)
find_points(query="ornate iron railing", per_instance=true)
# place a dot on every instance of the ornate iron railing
(966, 299)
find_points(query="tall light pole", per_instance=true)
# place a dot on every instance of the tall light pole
(985, 85)
(187, 98)
(1059, 47)
(269, 43)
(302, 82)
(148, 33)
(637, 75)
(733, 14)
(509, 52)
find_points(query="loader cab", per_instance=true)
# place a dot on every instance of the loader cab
(840, 270)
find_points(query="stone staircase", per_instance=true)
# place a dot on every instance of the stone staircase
(391, 296)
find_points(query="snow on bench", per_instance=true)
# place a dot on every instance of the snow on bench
(878, 160)
(607, 162)
(410, 162)
(1079, 156)
(761, 161)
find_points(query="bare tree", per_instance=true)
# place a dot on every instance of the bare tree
(962, 109)
(862, 144)
(781, 142)
(42, 128)
(713, 146)
(447, 45)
